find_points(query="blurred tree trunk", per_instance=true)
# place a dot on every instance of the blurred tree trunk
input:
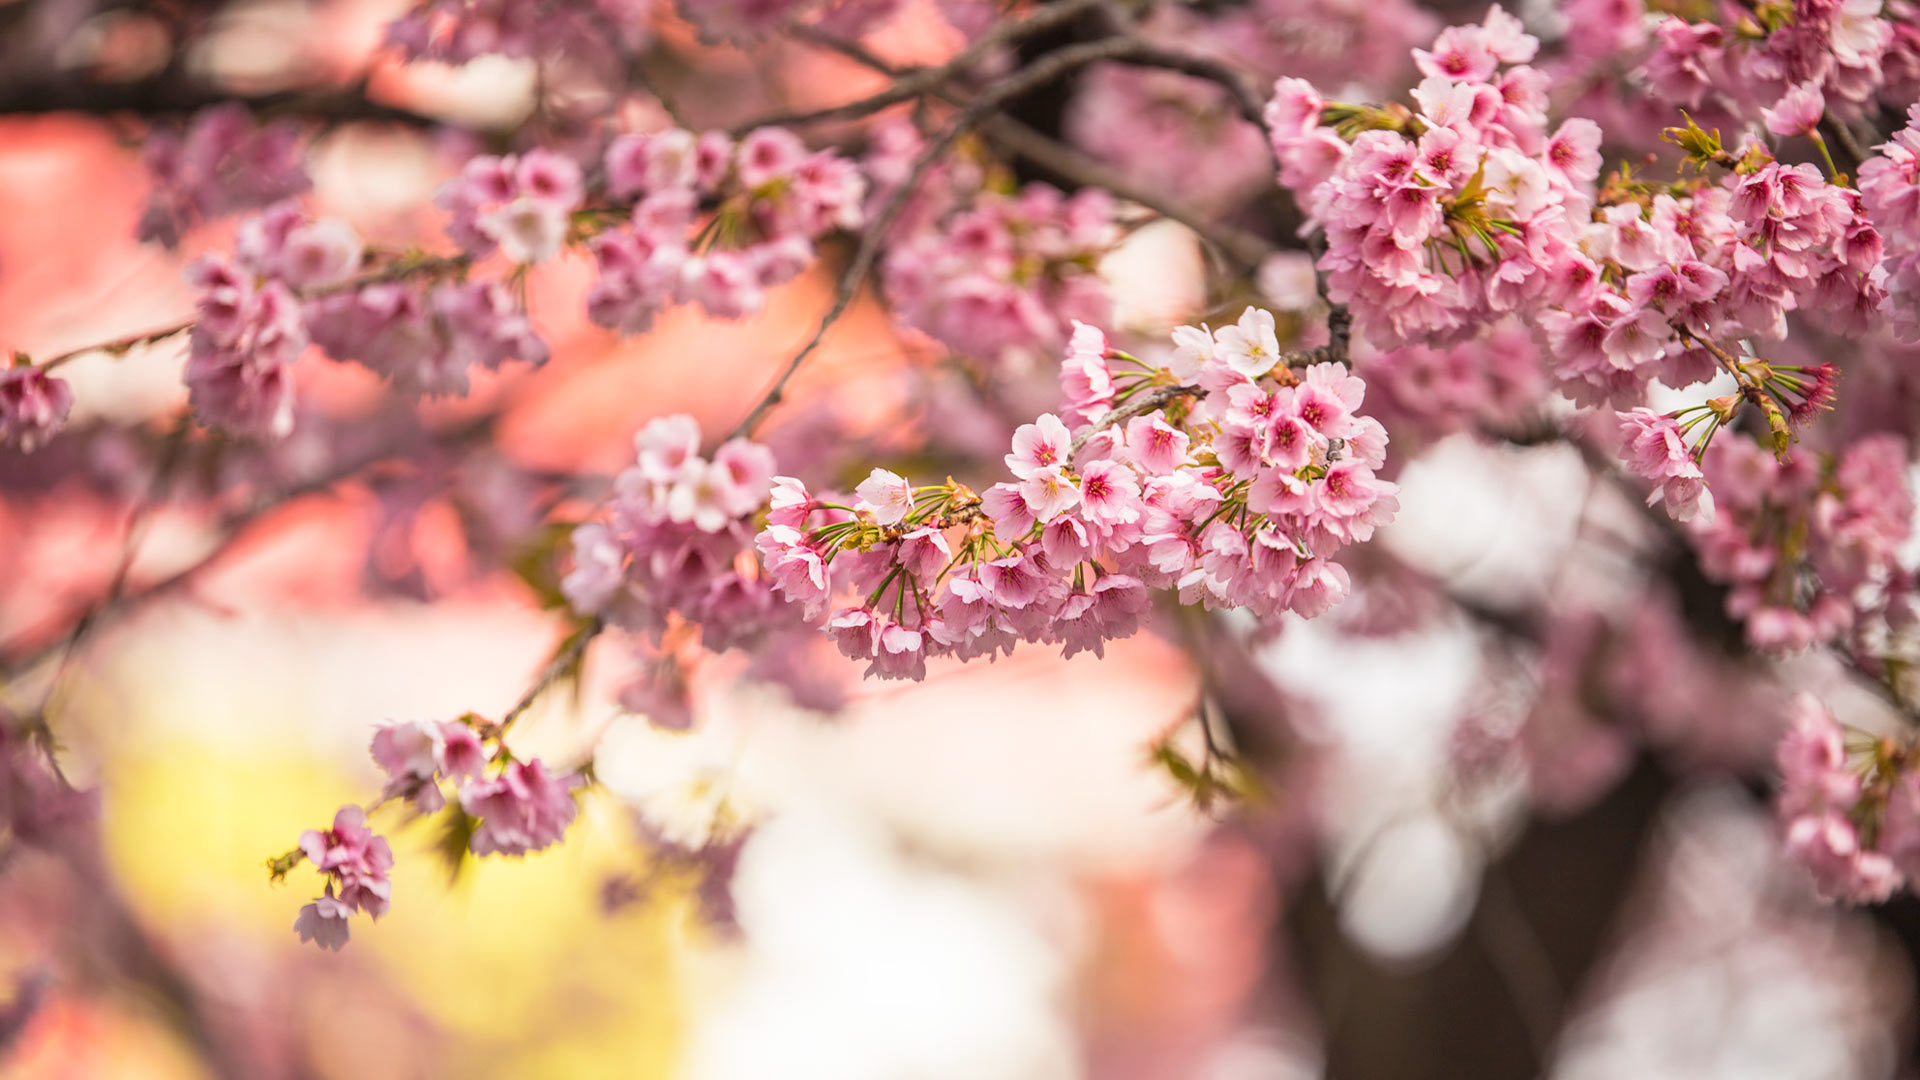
(1491, 1003)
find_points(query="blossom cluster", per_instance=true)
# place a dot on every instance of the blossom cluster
(425, 336)
(677, 540)
(514, 806)
(1235, 488)
(516, 204)
(1890, 195)
(1006, 273)
(356, 864)
(1850, 815)
(1443, 219)
(459, 31)
(224, 163)
(1802, 57)
(33, 405)
(986, 270)
(292, 282)
(521, 806)
(1656, 448)
(1439, 219)
(765, 200)
(1810, 549)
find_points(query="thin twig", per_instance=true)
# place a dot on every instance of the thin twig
(917, 81)
(1226, 76)
(170, 458)
(1516, 953)
(1243, 249)
(563, 661)
(1152, 400)
(401, 267)
(120, 345)
(235, 526)
(1850, 147)
(1040, 73)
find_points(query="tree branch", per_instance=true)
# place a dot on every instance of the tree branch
(169, 95)
(914, 82)
(1041, 72)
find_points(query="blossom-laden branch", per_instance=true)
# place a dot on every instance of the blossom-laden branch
(1038, 74)
(502, 805)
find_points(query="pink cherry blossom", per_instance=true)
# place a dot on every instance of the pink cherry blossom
(1038, 446)
(324, 922)
(522, 810)
(33, 405)
(886, 495)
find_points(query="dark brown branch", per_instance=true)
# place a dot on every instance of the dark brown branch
(1243, 249)
(1226, 76)
(1040, 73)
(1852, 154)
(1150, 401)
(170, 95)
(914, 82)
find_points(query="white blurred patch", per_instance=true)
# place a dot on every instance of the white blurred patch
(1288, 279)
(907, 901)
(870, 966)
(1406, 874)
(1157, 278)
(256, 44)
(1255, 1054)
(367, 172)
(1495, 523)
(491, 92)
(693, 787)
(1414, 888)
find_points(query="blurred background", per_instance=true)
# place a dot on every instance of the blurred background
(1443, 834)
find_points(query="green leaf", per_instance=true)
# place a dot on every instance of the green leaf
(453, 843)
(538, 563)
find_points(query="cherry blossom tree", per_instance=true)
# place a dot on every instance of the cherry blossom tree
(1679, 245)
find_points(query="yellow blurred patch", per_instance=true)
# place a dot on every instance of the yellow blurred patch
(516, 959)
